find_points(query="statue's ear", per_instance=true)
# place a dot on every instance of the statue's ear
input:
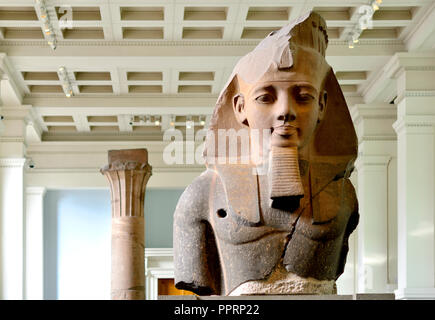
(239, 108)
(323, 102)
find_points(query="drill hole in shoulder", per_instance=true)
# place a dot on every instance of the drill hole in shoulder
(221, 213)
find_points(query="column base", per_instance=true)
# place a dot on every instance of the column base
(415, 294)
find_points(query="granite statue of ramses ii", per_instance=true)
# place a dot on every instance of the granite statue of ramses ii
(276, 217)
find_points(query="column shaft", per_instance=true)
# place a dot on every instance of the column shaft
(373, 226)
(34, 243)
(12, 161)
(11, 228)
(416, 210)
(377, 151)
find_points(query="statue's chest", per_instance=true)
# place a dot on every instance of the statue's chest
(230, 226)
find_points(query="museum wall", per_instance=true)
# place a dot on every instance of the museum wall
(77, 239)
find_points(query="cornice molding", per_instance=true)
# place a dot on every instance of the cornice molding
(420, 93)
(129, 43)
(181, 43)
(419, 124)
(12, 139)
(414, 94)
(377, 138)
(192, 168)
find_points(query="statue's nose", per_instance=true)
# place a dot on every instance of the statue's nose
(286, 112)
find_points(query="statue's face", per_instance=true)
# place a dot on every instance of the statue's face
(290, 103)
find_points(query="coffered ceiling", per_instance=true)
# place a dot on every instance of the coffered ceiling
(136, 67)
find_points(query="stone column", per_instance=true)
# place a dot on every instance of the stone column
(375, 168)
(34, 243)
(414, 75)
(128, 172)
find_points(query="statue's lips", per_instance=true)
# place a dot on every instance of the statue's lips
(285, 130)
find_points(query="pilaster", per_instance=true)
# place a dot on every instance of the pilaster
(376, 157)
(34, 243)
(415, 127)
(12, 162)
(11, 228)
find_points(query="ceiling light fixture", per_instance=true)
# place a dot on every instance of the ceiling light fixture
(375, 5)
(355, 35)
(47, 26)
(156, 120)
(66, 83)
(368, 14)
(52, 42)
(189, 122)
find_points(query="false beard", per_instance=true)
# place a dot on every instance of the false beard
(285, 184)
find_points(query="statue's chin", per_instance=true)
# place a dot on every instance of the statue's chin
(284, 141)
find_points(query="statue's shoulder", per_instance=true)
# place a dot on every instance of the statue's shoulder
(194, 200)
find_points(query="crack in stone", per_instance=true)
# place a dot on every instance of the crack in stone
(291, 232)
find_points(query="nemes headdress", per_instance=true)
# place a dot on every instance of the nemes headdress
(336, 135)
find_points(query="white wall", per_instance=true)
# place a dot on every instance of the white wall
(77, 244)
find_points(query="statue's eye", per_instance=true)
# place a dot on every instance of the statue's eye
(265, 98)
(305, 97)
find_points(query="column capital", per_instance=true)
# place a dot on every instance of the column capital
(15, 121)
(10, 92)
(128, 172)
(373, 124)
(404, 61)
(361, 112)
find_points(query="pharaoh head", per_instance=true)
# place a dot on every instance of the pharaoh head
(286, 86)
